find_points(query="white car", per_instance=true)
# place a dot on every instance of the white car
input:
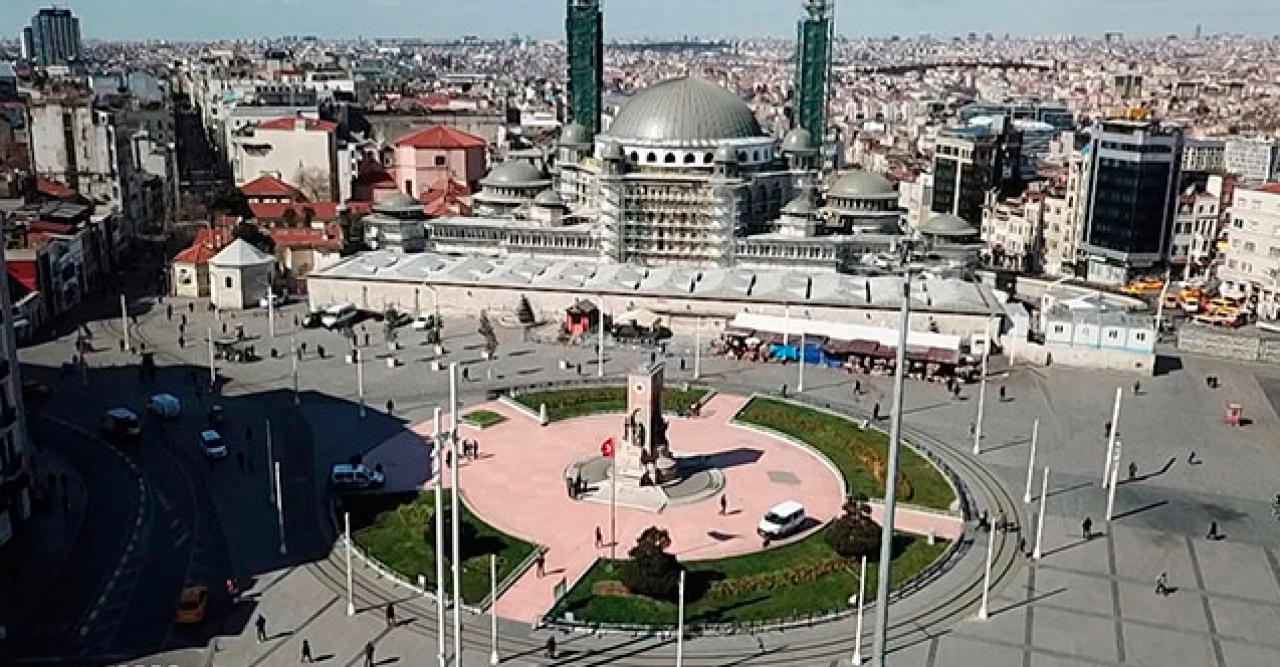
(277, 300)
(165, 406)
(782, 520)
(212, 444)
(423, 322)
(347, 476)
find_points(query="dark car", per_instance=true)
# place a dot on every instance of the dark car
(121, 424)
(312, 320)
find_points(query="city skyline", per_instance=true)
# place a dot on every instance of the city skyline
(543, 19)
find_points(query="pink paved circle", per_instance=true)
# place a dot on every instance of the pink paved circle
(517, 486)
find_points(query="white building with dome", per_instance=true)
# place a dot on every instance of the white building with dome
(683, 176)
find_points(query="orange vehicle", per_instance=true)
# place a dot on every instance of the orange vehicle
(1171, 301)
(192, 604)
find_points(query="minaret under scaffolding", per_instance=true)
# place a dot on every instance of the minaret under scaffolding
(815, 34)
(584, 29)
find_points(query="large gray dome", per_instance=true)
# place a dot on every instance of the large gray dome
(514, 173)
(947, 225)
(862, 185)
(574, 134)
(687, 109)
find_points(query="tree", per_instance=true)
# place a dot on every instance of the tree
(854, 534)
(254, 236)
(313, 184)
(652, 571)
(486, 331)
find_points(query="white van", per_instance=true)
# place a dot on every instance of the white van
(783, 519)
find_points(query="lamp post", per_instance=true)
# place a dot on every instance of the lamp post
(1031, 460)
(857, 634)
(1044, 496)
(124, 321)
(800, 382)
(986, 577)
(600, 346)
(493, 609)
(891, 478)
(1111, 436)
(437, 434)
(982, 393)
(1115, 479)
(284, 549)
(680, 625)
(351, 601)
(293, 354)
(454, 518)
(213, 370)
(271, 309)
(359, 359)
(697, 350)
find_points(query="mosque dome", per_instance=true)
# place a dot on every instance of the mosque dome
(798, 140)
(548, 198)
(574, 134)
(398, 203)
(861, 185)
(945, 224)
(514, 174)
(685, 110)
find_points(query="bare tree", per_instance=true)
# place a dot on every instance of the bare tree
(313, 184)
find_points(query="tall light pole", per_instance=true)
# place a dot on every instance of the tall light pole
(1031, 460)
(213, 370)
(986, 577)
(351, 600)
(271, 308)
(891, 479)
(437, 435)
(493, 609)
(271, 459)
(124, 321)
(600, 347)
(1111, 436)
(862, 592)
(680, 625)
(697, 350)
(293, 354)
(284, 549)
(1044, 497)
(1115, 478)
(800, 382)
(982, 394)
(455, 517)
(359, 359)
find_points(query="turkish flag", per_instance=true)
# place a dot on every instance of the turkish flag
(606, 448)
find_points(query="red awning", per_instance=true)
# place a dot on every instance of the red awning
(24, 272)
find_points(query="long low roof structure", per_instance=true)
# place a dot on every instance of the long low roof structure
(839, 331)
(929, 294)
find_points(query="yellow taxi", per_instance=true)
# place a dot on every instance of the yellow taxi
(191, 604)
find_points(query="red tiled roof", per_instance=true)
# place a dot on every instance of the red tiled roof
(23, 271)
(53, 188)
(360, 207)
(1271, 188)
(445, 197)
(291, 123)
(305, 237)
(441, 136)
(324, 211)
(375, 178)
(270, 186)
(204, 247)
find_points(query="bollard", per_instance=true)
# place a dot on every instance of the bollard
(932, 537)
(542, 414)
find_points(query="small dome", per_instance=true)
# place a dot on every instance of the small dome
(945, 224)
(726, 155)
(548, 198)
(798, 141)
(612, 150)
(801, 206)
(398, 202)
(861, 185)
(685, 110)
(574, 134)
(514, 173)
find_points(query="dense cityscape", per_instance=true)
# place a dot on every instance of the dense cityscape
(907, 350)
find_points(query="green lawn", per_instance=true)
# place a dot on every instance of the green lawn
(850, 449)
(570, 403)
(400, 532)
(818, 595)
(482, 418)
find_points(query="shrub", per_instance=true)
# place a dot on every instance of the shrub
(854, 534)
(777, 580)
(652, 571)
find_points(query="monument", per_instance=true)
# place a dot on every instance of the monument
(645, 455)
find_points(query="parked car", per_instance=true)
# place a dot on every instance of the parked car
(192, 604)
(355, 477)
(165, 406)
(212, 444)
(313, 320)
(335, 317)
(121, 424)
(783, 519)
(424, 322)
(277, 300)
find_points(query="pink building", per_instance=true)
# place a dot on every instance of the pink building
(429, 156)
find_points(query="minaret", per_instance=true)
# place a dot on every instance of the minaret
(584, 31)
(814, 36)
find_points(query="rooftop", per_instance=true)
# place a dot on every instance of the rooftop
(441, 136)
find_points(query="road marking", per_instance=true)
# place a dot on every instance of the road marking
(1204, 601)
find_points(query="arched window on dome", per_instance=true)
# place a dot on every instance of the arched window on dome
(742, 156)
(755, 156)
(651, 157)
(708, 158)
(689, 158)
(669, 158)
(635, 157)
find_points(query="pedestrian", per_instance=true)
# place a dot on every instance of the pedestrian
(368, 654)
(1022, 545)
(168, 313)
(295, 320)
(551, 647)
(1003, 395)
(542, 564)
(1213, 531)
(1191, 456)
(302, 346)
(857, 387)
(1086, 528)
(784, 390)
(320, 351)
(240, 460)
(232, 592)
(1137, 387)
(1133, 470)
(391, 614)
(191, 307)
(956, 390)
(261, 625)
(1003, 524)
(391, 406)
(475, 449)
(1106, 430)
(306, 651)
(1162, 584)
(121, 345)
(182, 320)
(984, 522)
(875, 412)
(182, 342)
(724, 504)
(366, 339)
(224, 327)
(448, 458)
(465, 373)
(599, 537)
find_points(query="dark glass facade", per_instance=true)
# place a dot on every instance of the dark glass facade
(1130, 205)
(584, 29)
(813, 58)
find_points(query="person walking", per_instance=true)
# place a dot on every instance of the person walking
(551, 647)
(1086, 528)
(1133, 470)
(1162, 584)
(368, 654)
(542, 564)
(168, 313)
(391, 406)
(784, 390)
(599, 537)
(1003, 393)
(1137, 387)
(306, 651)
(875, 412)
(857, 387)
(391, 614)
(1191, 456)
(724, 504)
(1022, 545)
(1213, 531)
(261, 626)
